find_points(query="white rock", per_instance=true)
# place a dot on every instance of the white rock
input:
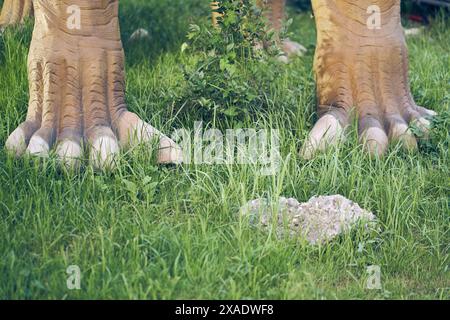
(140, 34)
(413, 31)
(319, 220)
(104, 152)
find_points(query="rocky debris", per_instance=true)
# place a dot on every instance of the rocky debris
(292, 48)
(140, 34)
(413, 31)
(319, 220)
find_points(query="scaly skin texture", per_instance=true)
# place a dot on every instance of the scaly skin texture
(15, 11)
(362, 71)
(275, 10)
(77, 88)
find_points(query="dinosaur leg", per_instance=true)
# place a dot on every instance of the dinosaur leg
(276, 14)
(361, 69)
(77, 87)
(15, 11)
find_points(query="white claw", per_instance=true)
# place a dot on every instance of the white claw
(423, 124)
(141, 132)
(69, 153)
(431, 113)
(375, 140)
(38, 147)
(169, 151)
(103, 153)
(402, 133)
(145, 132)
(16, 142)
(327, 132)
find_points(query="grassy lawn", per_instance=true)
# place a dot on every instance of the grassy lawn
(154, 232)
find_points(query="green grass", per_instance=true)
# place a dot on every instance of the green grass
(153, 232)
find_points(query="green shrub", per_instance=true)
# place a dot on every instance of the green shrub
(233, 70)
